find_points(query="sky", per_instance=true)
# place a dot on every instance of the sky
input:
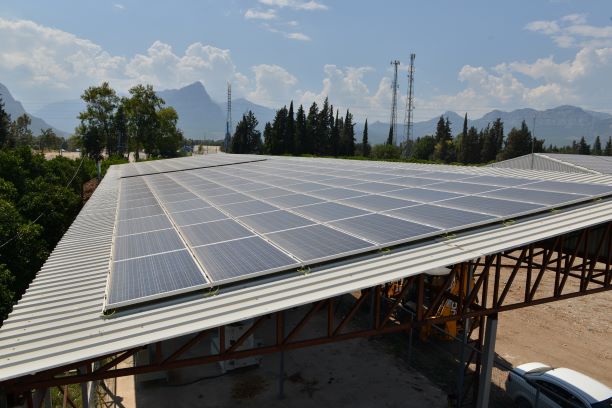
(471, 56)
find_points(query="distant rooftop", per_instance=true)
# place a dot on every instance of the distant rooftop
(567, 163)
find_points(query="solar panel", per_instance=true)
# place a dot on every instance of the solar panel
(440, 217)
(422, 195)
(534, 196)
(197, 216)
(317, 242)
(244, 221)
(274, 221)
(493, 206)
(378, 202)
(148, 243)
(238, 259)
(141, 279)
(325, 212)
(382, 229)
(139, 225)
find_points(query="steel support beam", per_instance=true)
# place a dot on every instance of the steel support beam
(484, 383)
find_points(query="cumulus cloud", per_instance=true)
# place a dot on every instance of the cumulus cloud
(274, 85)
(252, 14)
(40, 57)
(298, 36)
(573, 31)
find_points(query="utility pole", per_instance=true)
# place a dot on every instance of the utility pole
(228, 120)
(409, 108)
(393, 125)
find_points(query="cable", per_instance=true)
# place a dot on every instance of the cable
(41, 214)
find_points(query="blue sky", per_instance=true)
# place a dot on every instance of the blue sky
(470, 56)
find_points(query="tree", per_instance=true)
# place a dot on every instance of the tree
(423, 148)
(365, 144)
(120, 126)
(323, 129)
(5, 125)
(444, 149)
(247, 139)
(141, 111)
(463, 144)
(347, 137)
(583, 146)
(48, 139)
(312, 128)
(21, 132)
(300, 142)
(597, 147)
(169, 137)
(386, 152)
(608, 149)
(101, 102)
(518, 142)
(289, 137)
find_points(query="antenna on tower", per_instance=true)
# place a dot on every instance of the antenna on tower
(228, 120)
(409, 108)
(392, 129)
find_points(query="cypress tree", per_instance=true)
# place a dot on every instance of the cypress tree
(464, 145)
(5, 125)
(597, 147)
(323, 130)
(583, 147)
(348, 135)
(608, 149)
(300, 131)
(289, 137)
(335, 146)
(366, 148)
(312, 129)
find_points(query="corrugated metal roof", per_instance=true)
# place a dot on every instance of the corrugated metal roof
(58, 321)
(567, 163)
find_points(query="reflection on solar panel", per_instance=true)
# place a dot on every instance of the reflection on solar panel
(185, 230)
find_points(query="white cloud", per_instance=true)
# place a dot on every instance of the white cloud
(252, 14)
(298, 36)
(295, 4)
(119, 6)
(274, 85)
(573, 31)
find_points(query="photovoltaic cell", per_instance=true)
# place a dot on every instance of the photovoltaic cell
(139, 202)
(139, 225)
(440, 217)
(462, 188)
(293, 200)
(186, 205)
(197, 216)
(324, 212)
(317, 242)
(142, 278)
(493, 206)
(422, 195)
(149, 243)
(216, 231)
(382, 229)
(229, 199)
(534, 196)
(499, 181)
(373, 187)
(140, 212)
(336, 193)
(248, 208)
(274, 221)
(256, 256)
(378, 202)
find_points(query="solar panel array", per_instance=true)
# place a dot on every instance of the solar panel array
(187, 230)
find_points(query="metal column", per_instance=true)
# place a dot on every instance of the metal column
(484, 384)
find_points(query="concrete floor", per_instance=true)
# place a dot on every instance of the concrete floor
(355, 373)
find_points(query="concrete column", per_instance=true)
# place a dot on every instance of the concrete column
(488, 354)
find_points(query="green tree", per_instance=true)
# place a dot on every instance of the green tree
(120, 127)
(48, 139)
(335, 145)
(300, 132)
(463, 142)
(423, 148)
(100, 104)
(608, 148)
(365, 144)
(312, 129)
(5, 125)
(444, 149)
(247, 139)
(169, 137)
(321, 136)
(7, 294)
(597, 147)
(289, 137)
(347, 138)
(386, 152)
(583, 146)
(20, 129)
(518, 142)
(141, 111)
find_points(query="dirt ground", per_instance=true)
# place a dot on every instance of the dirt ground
(574, 333)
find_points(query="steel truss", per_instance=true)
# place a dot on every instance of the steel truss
(572, 265)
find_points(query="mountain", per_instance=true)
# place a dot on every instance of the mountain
(15, 109)
(263, 114)
(199, 116)
(62, 114)
(558, 126)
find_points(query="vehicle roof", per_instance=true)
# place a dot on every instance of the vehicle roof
(580, 384)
